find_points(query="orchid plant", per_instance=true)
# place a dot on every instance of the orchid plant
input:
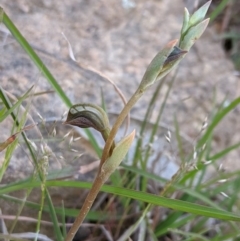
(87, 115)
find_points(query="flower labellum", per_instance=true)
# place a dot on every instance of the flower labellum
(87, 115)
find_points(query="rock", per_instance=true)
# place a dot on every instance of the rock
(119, 42)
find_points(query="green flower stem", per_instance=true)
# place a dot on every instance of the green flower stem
(107, 152)
(161, 65)
(103, 174)
(132, 101)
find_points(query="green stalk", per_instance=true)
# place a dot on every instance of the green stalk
(136, 96)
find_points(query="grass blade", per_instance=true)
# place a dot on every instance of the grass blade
(13, 107)
(219, 116)
(136, 195)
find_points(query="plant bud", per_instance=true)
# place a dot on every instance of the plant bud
(161, 64)
(118, 154)
(193, 26)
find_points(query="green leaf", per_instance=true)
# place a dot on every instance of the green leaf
(219, 116)
(199, 15)
(161, 230)
(185, 24)
(71, 212)
(1, 14)
(218, 9)
(223, 152)
(18, 103)
(136, 195)
(53, 216)
(174, 204)
(2, 111)
(193, 34)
